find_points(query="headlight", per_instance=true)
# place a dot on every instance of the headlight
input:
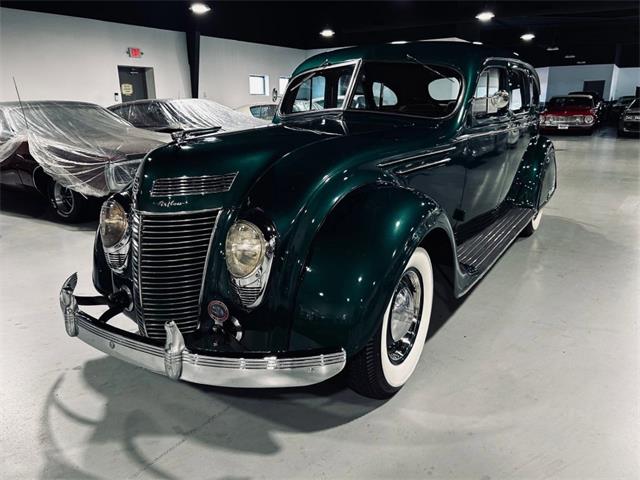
(244, 248)
(113, 223)
(120, 174)
(589, 119)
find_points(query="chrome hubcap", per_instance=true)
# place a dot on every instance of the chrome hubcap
(404, 318)
(63, 198)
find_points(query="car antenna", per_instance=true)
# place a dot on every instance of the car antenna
(433, 70)
(20, 102)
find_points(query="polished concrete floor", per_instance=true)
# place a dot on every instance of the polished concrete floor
(536, 375)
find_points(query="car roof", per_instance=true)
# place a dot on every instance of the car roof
(459, 54)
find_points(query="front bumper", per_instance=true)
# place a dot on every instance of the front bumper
(176, 361)
(629, 126)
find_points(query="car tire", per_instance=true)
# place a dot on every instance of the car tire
(533, 225)
(381, 369)
(66, 204)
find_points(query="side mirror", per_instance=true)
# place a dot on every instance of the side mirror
(500, 99)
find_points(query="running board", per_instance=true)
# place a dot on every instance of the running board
(477, 254)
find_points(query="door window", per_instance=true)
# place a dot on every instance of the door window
(518, 91)
(490, 81)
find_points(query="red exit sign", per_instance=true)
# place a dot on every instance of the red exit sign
(134, 52)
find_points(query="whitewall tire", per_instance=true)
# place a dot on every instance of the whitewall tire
(533, 224)
(392, 355)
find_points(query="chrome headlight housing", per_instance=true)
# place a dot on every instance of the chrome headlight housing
(248, 254)
(589, 118)
(114, 233)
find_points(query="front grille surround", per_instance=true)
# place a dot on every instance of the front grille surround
(170, 252)
(201, 185)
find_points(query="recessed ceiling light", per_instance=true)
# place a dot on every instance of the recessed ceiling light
(399, 42)
(199, 8)
(327, 33)
(552, 49)
(527, 37)
(485, 16)
(516, 54)
(571, 55)
(581, 62)
(477, 43)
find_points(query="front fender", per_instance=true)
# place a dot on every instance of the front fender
(354, 264)
(535, 181)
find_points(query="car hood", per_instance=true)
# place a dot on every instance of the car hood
(633, 111)
(296, 156)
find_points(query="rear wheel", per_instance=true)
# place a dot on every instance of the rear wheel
(533, 224)
(67, 204)
(391, 356)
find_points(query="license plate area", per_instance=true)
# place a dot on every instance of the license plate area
(563, 127)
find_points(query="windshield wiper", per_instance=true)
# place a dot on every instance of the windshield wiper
(432, 70)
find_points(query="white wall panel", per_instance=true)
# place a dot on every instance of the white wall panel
(565, 79)
(627, 81)
(55, 57)
(225, 67)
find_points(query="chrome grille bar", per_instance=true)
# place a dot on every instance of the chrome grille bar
(170, 253)
(202, 185)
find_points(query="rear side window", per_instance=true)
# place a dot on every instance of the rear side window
(519, 99)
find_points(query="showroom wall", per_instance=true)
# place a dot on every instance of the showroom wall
(81, 57)
(225, 67)
(626, 81)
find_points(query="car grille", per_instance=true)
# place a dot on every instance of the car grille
(248, 295)
(567, 120)
(117, 260)
(176, 186)
(168, 260)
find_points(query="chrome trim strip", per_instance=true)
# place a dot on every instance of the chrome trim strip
(414, 157)
(357, 62)
(425, 165)
(177, 362)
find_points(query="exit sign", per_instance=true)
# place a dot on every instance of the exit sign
(134, 52)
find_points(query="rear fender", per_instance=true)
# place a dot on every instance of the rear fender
(355, 262)
(535, 181)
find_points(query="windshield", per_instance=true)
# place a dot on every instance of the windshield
(625, 100)
(320, 90)
(407, 88)
(391, 87)
(568, 102)
(635, 103)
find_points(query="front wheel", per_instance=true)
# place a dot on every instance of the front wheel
(67, 204)
(391, 356)
(533, 225)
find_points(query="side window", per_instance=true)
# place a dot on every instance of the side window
(310, 95)
(383, 95)
(533, 90)
(520, 91)
(490, 81)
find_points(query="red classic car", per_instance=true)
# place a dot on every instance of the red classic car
(570, 112)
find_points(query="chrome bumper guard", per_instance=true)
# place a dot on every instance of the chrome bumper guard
(178, 363)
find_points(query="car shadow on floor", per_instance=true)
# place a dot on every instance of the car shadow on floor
(137, 405)
(32, 206)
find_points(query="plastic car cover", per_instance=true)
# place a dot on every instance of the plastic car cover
(80, 145)
(184, 114)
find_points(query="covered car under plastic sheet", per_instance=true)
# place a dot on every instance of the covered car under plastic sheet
(170, 115)
(82, 146)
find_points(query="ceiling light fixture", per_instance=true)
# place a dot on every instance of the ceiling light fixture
(477, 43)
(571, 55)
(399, 42)
(485, 16)
(527, 37)
(552, 49)
(516, 54)
(199, 8)
(327, 33)
(581, 62)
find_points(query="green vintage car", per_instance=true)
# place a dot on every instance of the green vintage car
(281, 255)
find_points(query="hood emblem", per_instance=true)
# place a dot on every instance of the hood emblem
(170, 203)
